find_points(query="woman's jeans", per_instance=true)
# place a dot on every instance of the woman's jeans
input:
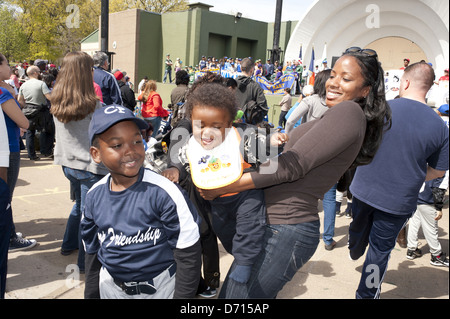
(286, 248)
(329, 215)
(80, 183)
(13, 175)
(5, 228)
(155, 122)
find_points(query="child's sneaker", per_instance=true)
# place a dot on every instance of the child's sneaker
(412, 254)
(440, 261)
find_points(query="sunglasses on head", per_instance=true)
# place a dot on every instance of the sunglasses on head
(367, 52)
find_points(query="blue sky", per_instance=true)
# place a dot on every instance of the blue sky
(262, 10)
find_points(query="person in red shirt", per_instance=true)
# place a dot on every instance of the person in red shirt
(405, 63)
(152, 109)
(445, 76)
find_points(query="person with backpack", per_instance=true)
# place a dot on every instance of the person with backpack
(178, 96)
(250, 96)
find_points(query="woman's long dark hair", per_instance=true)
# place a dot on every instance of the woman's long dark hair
(375, 107)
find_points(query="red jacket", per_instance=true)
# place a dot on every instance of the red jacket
(153, 106)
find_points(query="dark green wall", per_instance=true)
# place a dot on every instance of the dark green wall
(149, 51)
(190, 34)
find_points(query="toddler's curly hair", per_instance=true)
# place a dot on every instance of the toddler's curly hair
(212, 95)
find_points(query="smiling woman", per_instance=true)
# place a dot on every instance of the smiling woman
(316, 156)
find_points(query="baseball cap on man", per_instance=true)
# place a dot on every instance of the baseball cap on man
(105, 117)
(118, 75)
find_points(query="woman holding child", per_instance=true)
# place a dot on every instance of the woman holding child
(316, 156)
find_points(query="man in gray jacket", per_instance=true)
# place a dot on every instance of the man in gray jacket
(250, 95)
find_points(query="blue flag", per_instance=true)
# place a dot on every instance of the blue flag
(277, 87)
(311, 65)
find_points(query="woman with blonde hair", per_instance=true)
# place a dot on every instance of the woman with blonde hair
(73, 102)
(152, 109)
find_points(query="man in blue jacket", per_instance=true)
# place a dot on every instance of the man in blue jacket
(107, 82)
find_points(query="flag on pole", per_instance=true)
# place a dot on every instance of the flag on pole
(300, 58)
(324, 57)
(311, 69)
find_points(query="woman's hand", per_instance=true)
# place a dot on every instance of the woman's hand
(242, 184)
(210, 194)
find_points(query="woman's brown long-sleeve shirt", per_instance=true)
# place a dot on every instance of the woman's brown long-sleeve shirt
(316, 156)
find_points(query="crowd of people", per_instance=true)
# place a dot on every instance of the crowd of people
(229, 175)
(231, 67)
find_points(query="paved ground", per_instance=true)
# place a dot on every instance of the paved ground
(41, 205)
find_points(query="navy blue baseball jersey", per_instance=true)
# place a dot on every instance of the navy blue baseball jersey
(134, 231)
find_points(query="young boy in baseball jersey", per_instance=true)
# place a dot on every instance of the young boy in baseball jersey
(139, 229)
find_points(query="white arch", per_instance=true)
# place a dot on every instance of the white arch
(343, 23)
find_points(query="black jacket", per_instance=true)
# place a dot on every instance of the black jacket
(249, 90)
(128, 97)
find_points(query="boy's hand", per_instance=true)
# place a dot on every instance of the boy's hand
(172, 174)
(438, 215)
(278, 139)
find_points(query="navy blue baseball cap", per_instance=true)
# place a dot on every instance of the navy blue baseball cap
(105, 117)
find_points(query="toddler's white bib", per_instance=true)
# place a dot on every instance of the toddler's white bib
(218, 167)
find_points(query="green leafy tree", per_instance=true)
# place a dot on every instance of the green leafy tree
(56, 27)
(158, 6)
(52, 28)
(13, 41)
